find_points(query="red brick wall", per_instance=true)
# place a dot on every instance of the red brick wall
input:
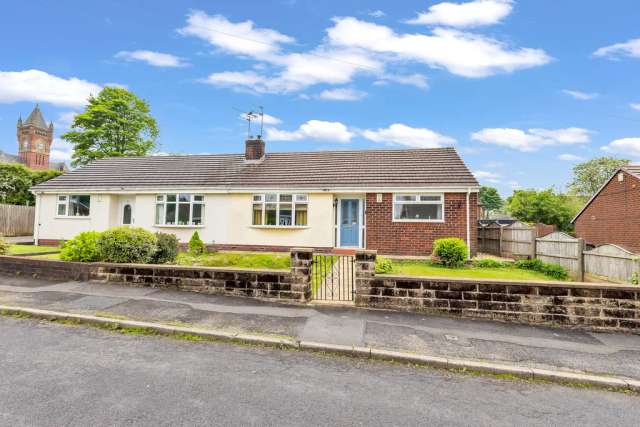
(614, 215)
(416, 238)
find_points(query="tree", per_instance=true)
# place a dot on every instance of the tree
(544, 206)
(16, 180)
(589, 176)
(115, 123)
(490, 199)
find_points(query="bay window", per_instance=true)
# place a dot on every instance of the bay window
(279, 210)
(179, 209)
(73, 205)
(418, 207)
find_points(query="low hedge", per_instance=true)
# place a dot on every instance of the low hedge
(451, 252)
(83, 248)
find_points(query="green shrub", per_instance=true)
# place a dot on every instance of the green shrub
(552, 270)
(488, 263)
(196, 245)
(4, 245)
(167, 248)
(452, 252)
(634, 278)
(127, 244)
(83, 247)
(384, 266)
(529, 264)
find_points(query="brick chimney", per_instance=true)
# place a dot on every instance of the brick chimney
(254, 150)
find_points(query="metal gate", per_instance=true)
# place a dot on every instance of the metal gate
(333, 277)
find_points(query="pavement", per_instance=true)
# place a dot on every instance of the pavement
(544, 348)
(60, 375)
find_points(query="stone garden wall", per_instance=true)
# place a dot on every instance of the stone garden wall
(586, 305)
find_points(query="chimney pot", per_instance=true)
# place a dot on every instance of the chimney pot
(254, 149)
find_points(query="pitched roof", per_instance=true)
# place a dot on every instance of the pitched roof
(630, 169)
(414, 168)
(36, 119)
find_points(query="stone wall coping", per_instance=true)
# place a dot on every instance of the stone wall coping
(367, 251)
(549, 284)
(301, 250)
(131, 265)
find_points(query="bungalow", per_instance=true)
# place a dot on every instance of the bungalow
(394, 201)
(612, 214)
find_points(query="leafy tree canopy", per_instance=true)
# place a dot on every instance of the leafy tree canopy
(589, 176)
(15, 181)
(115, 123)
(490, 199)
(546, 206)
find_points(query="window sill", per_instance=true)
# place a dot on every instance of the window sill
(72, 217)
(280, 227)
(178, 226)
(440, 221)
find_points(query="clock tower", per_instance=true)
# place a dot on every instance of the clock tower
(34, 140)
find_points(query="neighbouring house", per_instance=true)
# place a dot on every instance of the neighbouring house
(612, 215)
(34, 137)
(393, 201)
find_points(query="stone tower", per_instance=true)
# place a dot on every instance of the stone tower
(34, 140)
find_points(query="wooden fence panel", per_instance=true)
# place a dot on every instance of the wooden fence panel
(489, 239)
(518, 240)
(612, 262)
(16, 220)
(560, 248)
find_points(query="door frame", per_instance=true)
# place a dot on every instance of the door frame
(361, 225)
(123, 202)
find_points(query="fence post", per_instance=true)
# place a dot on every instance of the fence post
(365, 272)
(534, 236)
(500, 240)
(580, 255)
(301, 264)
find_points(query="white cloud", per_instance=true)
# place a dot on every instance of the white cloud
(570, 158)
(417, 80)
(627, 146)
(582, 96)
(533, 139)
(635, 106)
(313, 130)
(461, 53)
(514, 185)
(630, 48)
(377, 14)
(267, 119)
(156, 59)
(470, 14)
(401, 134)
(485, 174)
(242, 38)
(65, 119)
(342, 94)
(61, 150)
(39, 86)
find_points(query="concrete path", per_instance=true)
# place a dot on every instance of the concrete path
(534, 347)
(19, 239)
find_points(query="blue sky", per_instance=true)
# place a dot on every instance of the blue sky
(523, 88)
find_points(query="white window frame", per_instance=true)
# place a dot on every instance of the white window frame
(64, 200)
(161, 199)
(296, 198)
(417, 201)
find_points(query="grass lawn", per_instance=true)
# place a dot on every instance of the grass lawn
(30, 249)
(424, 268)
(54, 257)
(270, 261)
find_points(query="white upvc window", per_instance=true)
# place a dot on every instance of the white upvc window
(418, 207)
(73, 205)
(280, 210)
(179, 209)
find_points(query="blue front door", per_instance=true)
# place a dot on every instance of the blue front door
(349, 222)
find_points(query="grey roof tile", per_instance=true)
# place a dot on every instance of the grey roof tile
(440, 167)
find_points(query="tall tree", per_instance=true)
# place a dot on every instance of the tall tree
(490, 199)
(546, 206)
(115, 123)
(15, 181)
(589, 176)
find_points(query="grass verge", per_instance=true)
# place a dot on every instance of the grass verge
(268, 261)
(426, 268)
(30, 249)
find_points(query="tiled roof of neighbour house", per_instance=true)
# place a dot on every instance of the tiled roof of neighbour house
(413, 168)
(631, 169)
